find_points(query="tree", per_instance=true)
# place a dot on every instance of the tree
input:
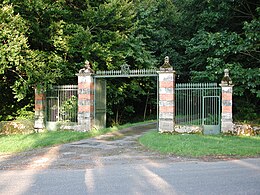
(232, 44)
(20, 67)
(59, 36)
(46, 42)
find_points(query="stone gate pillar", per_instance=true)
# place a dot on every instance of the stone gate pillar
(226, 115)
(85, 98)
(39, 109)
(166, 97)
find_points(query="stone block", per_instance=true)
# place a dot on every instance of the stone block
(85, 79)
(166, 97)
(188, 129)
(166, 84)
(226, 102)
(166, 126)
(226, 109)
(39, 123)
(226, 96)
(85, 91)
(87, 85)
(167, 109)
(227, 89)
(85, 102)
(226, 127)
(39, 96)
(166, 76)
(86, 96)
(166, 90)
(166, 115)
(226, 116)
(38, 107)
(166, 103)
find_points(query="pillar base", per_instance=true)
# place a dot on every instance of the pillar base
(166, 126)
(227, 127)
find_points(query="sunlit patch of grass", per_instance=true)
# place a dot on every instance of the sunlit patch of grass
(19, 143)
(194, 145)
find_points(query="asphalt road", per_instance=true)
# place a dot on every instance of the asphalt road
(223, 177)
(117, 164)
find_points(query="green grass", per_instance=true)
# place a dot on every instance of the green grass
(19, 143)
(193, 145)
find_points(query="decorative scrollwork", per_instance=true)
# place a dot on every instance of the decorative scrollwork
(125, 69)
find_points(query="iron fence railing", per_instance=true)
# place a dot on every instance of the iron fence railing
(126, 73)
(197, 103)
(62, 103)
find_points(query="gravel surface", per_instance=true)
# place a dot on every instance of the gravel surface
(119, 147)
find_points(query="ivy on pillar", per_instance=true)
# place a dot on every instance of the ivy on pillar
(39, 109)
(85, 98)
(227, 90)
(166, 97)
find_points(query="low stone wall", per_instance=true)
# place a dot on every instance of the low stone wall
(188, 129)
(238, 129)
(245, 129)
(16, 127)
(62, 125)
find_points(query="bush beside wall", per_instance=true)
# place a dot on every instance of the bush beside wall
(16, 127)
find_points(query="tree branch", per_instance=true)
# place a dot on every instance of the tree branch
(11, 70)
(248, 54)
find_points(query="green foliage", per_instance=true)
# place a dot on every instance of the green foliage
(233, 44)
(25, 113)
(46, 42)
(129, 98)
(69, 108)
(29, 67)
(13, 39)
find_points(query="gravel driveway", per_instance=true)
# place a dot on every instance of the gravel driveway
(119, 147)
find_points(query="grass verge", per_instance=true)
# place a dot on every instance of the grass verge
(19, 143)
(193, 145)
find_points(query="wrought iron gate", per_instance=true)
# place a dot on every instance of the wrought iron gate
(100, 89)
(62, 105)
(100, 103)
(211, 114)
(198, 104)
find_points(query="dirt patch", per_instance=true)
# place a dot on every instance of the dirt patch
(119, 147)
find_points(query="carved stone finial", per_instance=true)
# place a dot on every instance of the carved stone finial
(87, 68)
(87, 64)
(166, 60)
(166, 66)
(226, 80)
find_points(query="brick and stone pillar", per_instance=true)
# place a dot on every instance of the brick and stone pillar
(39, 109)
(227, 90)
(85, 98)
(166, 97)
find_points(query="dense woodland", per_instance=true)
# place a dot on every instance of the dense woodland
(45, 42)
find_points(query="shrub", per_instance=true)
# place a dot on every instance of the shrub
(16, 127)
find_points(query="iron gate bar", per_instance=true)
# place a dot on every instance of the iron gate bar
(127, 74)
(63, 87)
(211, 114)
(130, 73)
(61, 94)
(215, 106)
(189, 101)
